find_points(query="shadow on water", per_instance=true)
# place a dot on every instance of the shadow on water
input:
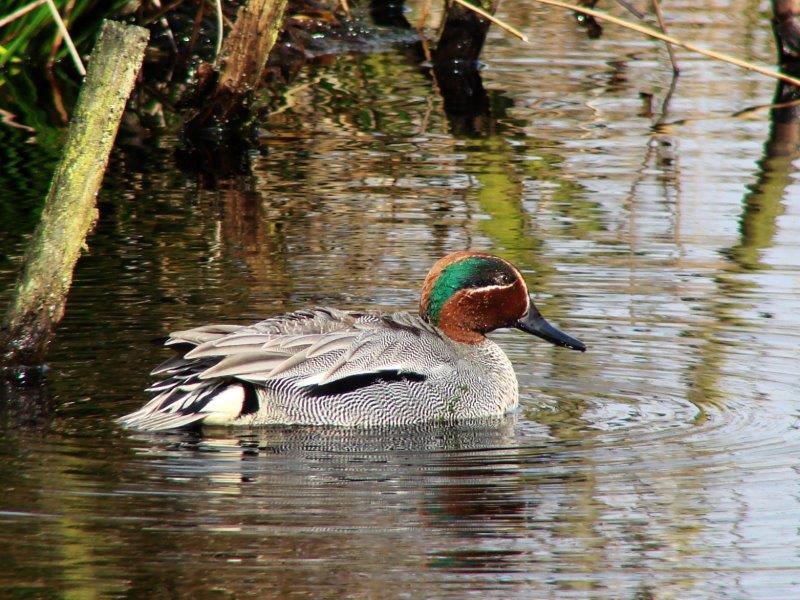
(25, 404)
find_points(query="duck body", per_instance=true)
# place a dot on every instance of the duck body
(330, 367)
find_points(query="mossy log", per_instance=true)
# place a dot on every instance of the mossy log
(70, 209)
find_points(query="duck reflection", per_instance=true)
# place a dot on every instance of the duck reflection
(329, 495)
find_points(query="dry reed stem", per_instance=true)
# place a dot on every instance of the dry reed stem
(220, 28)
(165, 24)
(675, 41)
(493, 19)
(67, 38)
(51, 58)
(20, 12)
(775, 105)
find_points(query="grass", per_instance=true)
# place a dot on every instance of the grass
(34, 36)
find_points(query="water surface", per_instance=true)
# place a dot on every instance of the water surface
(660, 229)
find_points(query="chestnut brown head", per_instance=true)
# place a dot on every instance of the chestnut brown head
(467, 294)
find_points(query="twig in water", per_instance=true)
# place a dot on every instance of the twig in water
(752, 109)
(20, 11)
(675, 41)
(493, 19)
(72, 50)
(426, 50)
(631, 9)
(7, 118)
(162, 10)
(165, 25)
(663, 25)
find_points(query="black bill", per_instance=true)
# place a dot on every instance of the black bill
(536, 324)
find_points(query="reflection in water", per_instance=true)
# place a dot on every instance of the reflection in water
(662, 463)
(290, 493)
(763, 204)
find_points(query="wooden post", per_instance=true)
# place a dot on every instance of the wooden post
(787, 29)
(70, 208)
(243, 58)
(456, 67)
(462, 35)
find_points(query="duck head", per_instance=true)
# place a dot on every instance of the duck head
(467, 294)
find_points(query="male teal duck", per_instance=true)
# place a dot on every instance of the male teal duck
(330, 367)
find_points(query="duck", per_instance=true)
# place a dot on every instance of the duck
(324, 366)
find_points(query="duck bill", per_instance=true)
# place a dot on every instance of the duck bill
(534, 323)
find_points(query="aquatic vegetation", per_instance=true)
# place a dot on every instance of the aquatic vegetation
(34, 36)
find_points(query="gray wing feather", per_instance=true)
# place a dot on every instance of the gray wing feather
(198, 335)
(244, 365)
(323, 347)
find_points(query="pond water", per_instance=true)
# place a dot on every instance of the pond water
(663, 229)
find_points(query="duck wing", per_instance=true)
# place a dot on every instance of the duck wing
(357, 344)
(308, 350)
(316, 320)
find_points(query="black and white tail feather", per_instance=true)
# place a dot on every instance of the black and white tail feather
(215, 380)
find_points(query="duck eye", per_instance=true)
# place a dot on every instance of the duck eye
(503, 279)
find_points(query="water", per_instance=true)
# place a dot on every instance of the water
(664, 233)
